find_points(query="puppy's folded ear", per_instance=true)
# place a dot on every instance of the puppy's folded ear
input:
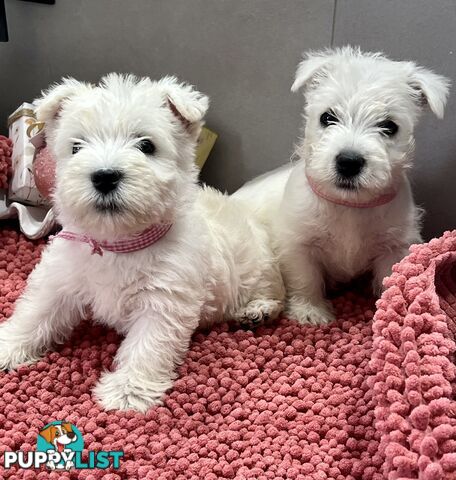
(431, 89)
(53, 99)
(187, 104)
(48, 433)
(68, 427)
(312, 67)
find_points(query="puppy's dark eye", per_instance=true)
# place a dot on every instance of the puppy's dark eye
(388, 128)
(76, 148)
(146, 147)
(328, 118)
(57, 434)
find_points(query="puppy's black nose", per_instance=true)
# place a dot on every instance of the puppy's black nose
(106, 180)
(349, 164)
(71, 435)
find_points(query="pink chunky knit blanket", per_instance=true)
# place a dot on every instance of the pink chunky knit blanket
(363, 398)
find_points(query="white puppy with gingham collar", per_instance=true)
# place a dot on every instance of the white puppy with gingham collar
(151, 253)
(346, 207)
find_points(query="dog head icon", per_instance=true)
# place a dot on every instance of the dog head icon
(59, 435)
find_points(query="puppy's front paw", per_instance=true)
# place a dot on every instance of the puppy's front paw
(258, 311)
(120, 391)
(14, 352)
(309, 313)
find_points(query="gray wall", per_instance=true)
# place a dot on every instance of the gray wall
(243, 53)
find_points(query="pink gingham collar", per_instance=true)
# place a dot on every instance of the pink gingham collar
(132, 244)
(375, 202)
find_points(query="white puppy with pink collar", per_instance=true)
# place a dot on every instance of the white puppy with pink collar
(148, 251)
(346, 207)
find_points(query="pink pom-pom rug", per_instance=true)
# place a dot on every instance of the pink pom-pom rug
(365, 398)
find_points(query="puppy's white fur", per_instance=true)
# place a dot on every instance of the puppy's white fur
(318, 240)
(214, 263)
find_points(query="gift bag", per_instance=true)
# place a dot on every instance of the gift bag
(23, 126)
(22, 199)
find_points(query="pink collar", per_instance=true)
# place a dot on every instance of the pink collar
(376, 202)
(132, 244)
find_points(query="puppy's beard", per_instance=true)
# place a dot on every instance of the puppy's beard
(369, 180)
(365, 184)
(349, 184)
(109, 204)
(110, 217)
(362, 187)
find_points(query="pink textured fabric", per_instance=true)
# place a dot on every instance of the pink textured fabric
(413, 364)
(285, 402)
(6, 149)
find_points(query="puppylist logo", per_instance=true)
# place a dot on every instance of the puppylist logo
(59, 446)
